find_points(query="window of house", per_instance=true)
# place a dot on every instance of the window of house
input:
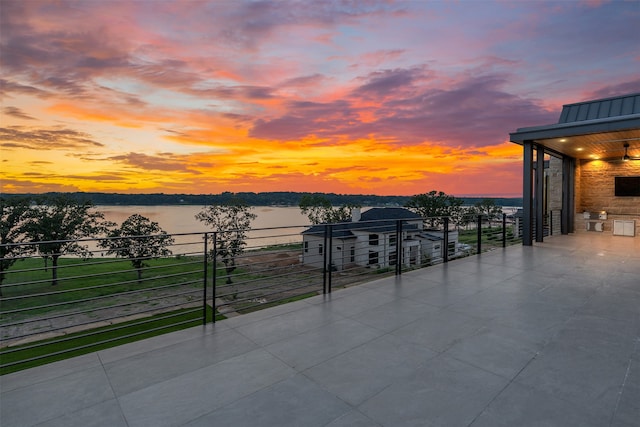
(373, 239)
(373, 257)
(392, 240)
(320, 249)
(393, 257)
(452, 248)
(306, 246)
(353, 254)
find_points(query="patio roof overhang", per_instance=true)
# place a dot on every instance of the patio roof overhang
(587, 139)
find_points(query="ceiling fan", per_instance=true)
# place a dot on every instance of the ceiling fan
(626, 156)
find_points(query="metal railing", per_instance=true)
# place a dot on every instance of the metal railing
(59, 305)
(554, 223)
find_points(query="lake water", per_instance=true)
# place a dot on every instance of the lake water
(181, 219)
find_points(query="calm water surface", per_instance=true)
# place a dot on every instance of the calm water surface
(181, 219)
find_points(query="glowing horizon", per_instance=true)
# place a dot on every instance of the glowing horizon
(385, 98)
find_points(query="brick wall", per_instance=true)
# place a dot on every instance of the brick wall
(595, 186)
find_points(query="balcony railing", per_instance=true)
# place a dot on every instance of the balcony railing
(77, 305)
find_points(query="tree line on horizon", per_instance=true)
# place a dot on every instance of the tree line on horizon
(433, 207)
(274, 198)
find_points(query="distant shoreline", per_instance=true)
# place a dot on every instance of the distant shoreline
(276, 199)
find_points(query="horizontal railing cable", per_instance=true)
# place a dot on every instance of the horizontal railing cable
(102, 297)
(104, 328)
(95, 344)
(97, 289)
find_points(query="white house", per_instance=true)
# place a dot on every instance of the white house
(370, 240)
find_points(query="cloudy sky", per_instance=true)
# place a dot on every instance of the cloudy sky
(356, 97)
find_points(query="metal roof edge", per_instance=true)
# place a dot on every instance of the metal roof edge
(609, 98)
(558, 130)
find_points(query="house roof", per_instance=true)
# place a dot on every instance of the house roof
(601, 109)
(431, 237)
(374, 220)
(374, 214)
(595, 129)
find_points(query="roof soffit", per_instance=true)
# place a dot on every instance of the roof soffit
(587, 139)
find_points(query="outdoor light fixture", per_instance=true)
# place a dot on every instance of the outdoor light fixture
(626, 157)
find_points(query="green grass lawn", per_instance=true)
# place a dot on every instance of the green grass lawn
(94, 284)
(490, 236)
(28, 284)
(42, 352)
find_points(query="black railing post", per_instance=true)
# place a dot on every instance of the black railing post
(215, 274)
(324, 259)
(504, 230)
(399, 248)
(550, 223)
(446, 239)
(330, 249)
(205, 267)
(479, 234)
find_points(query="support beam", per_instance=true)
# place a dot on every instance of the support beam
(539, 196)
(568, 195)
(527, 194)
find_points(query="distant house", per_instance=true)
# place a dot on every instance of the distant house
(370, 240)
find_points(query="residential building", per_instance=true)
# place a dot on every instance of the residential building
(371, 240)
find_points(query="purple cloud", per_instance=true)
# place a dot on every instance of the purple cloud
(9, 88)
(45, 139)
(475, 112)
(381, 84)
(618, 89)
(17, 113)
(246, 24)
(161, 162)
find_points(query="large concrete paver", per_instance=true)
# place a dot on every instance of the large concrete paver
(543, 335)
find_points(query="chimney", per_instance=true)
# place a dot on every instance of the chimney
(355, 214)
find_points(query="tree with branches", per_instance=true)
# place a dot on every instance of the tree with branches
(13, 212)
(435, 205)
(320, 211)
(489, 209)
(231, 222)
(138, 239)
(56, 224)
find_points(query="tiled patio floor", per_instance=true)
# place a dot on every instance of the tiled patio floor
(547, 335)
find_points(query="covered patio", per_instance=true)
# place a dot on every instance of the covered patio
(570, 167)
(546, 334)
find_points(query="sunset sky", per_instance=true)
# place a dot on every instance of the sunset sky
(353, 97)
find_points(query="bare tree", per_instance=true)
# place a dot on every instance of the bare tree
(231, 221)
